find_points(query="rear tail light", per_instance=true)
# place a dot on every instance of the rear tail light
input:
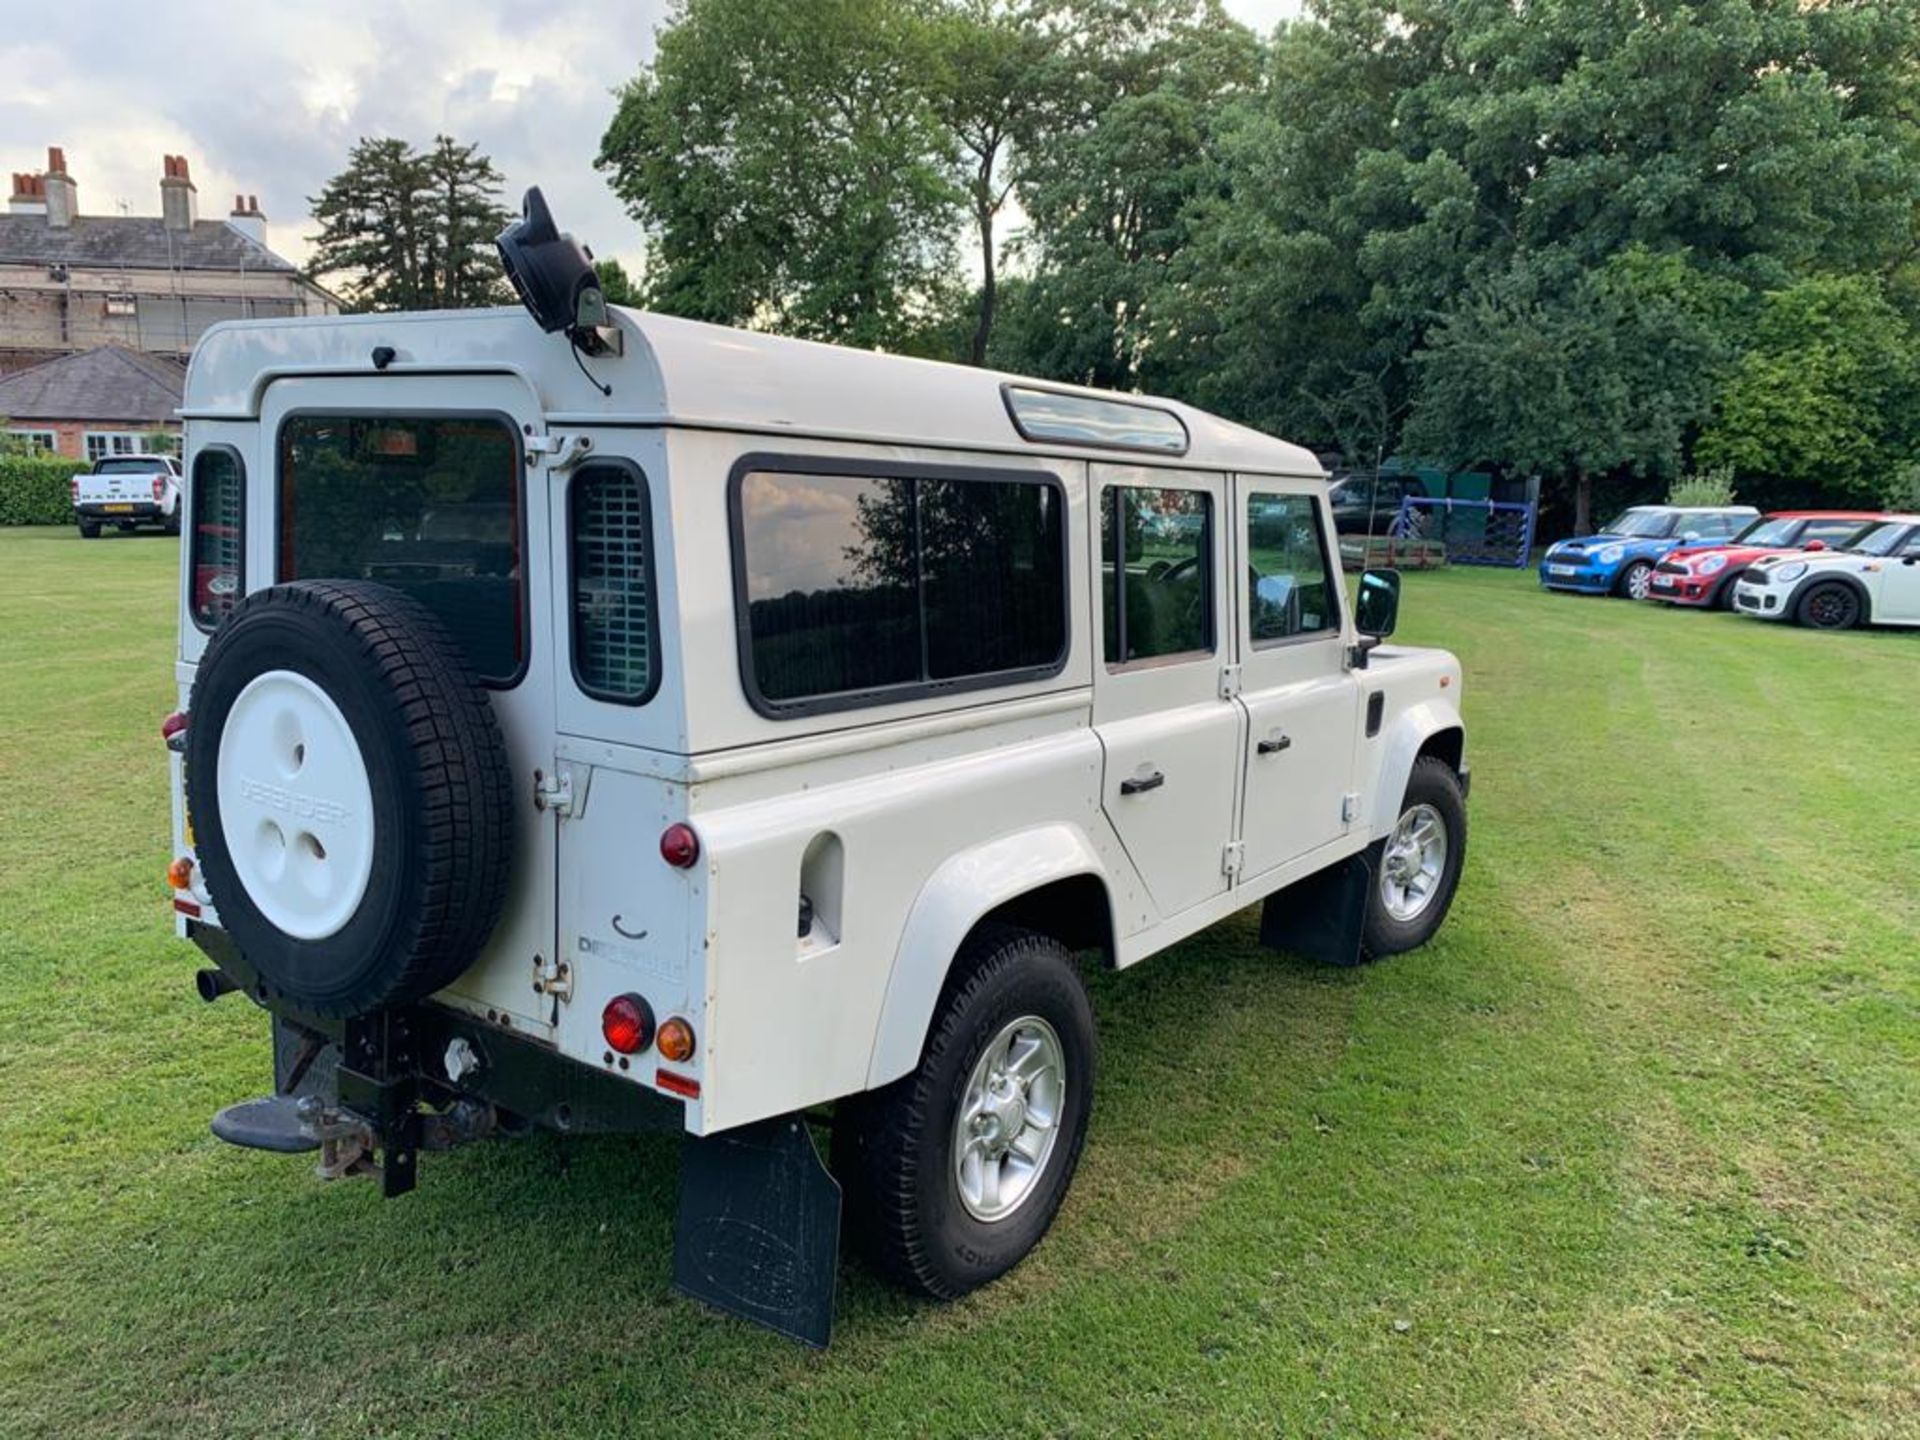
(627, 1024)
(73, 487)
(675, 1041)
(159, 489)
(173, 730)
(679, 846)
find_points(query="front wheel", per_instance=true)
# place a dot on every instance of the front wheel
(1832, 606)
(1636, 580)
(955, 1172)
(1418, 865)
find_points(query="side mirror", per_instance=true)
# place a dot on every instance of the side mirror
(1689, 535)
(1379, 608)
(1815, 545)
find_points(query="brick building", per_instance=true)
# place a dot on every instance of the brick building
(105, 401)
(71, 281)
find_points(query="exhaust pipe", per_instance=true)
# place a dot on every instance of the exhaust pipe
(210, 985)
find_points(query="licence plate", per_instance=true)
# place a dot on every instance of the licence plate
(1664, 582)
(118, 509)
(1562, 570)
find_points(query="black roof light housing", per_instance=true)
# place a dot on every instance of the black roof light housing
(553, 274)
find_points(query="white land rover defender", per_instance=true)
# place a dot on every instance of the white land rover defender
(615, 721)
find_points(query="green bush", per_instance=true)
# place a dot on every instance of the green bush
(1709, 487)
(34, 489)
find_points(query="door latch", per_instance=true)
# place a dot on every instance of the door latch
(553, 792)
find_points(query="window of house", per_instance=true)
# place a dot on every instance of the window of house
(35, 439)
(102, 443)
(1156, 560)
(614, 634)
(863, 589)
(428, 506)
(1290, 582)
(214, 499)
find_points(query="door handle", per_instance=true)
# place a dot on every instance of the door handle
(1275, 745)
(1141, 783)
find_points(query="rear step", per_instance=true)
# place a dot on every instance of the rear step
(271, 1122)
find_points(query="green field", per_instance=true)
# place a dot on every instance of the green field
(1632, 1149)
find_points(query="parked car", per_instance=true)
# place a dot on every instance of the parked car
(1874, 579)
(128, 490)
(778, 743)
(1364, 504)
(1620, 559)
(1704, 575)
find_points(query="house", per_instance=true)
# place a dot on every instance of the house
(103, 401)
(71, 281)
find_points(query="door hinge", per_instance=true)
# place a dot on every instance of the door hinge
(553, 792)
(552, 978)
(1233, 857)
(1350, 806)
(566, 451)
(1229, 681)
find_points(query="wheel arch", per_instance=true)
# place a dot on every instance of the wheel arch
(1433, 727)
(1048, 878)
(1813, 582)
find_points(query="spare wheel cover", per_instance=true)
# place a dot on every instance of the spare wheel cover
(296, 806)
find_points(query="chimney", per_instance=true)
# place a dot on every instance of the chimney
(179, 207)
(247, 219)
(62, 195)
(29, 195)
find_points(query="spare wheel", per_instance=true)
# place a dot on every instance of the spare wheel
(350, 796)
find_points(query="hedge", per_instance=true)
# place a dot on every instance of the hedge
(34, 489)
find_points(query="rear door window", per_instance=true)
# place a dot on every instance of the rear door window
(1156, 581)
(215, 541)
(427, 505)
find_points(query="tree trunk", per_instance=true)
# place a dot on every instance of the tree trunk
(983, 326)
(1582, 502)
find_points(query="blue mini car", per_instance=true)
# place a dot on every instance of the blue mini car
(1620, 559)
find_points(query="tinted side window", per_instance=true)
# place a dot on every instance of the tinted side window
(614, 633)
(1156, 584)
(1831, 531)
(863, 584)
(217, 482)
(1290, 583)
(428, 506)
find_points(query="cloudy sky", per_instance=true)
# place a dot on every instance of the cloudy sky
(266, 99)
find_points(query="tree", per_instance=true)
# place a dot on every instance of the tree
(616, 285)
(1823, 404)
(412, 230)
(789, 170)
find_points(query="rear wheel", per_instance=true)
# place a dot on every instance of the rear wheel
(1829, 606)
(1418, 866)
(89, 529)
(956, 1171)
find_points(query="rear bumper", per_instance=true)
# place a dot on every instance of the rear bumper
(119, 510)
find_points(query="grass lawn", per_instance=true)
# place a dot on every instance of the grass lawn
(1632, 1149)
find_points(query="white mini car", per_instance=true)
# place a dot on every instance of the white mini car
(1875, 580)
(654, 723)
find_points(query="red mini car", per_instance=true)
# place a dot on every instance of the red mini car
(1703, 575)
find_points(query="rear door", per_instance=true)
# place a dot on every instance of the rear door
(422, 483)
(1302, 702)
(1163, 712)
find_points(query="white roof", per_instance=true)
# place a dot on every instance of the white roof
(680, 372)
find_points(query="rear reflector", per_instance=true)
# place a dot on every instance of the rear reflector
(677, 1084)
(189, 908)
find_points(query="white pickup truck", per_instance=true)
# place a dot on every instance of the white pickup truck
(128, 490)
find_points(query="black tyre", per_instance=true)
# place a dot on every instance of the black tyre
(954, 1172)
(1830, 605)
(1417, 867)
(1723, 597)
(1635, 581)
(350, 796)
(89, 529)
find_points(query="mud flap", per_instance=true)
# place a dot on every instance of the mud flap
(758, 1234)
(1321, 917)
